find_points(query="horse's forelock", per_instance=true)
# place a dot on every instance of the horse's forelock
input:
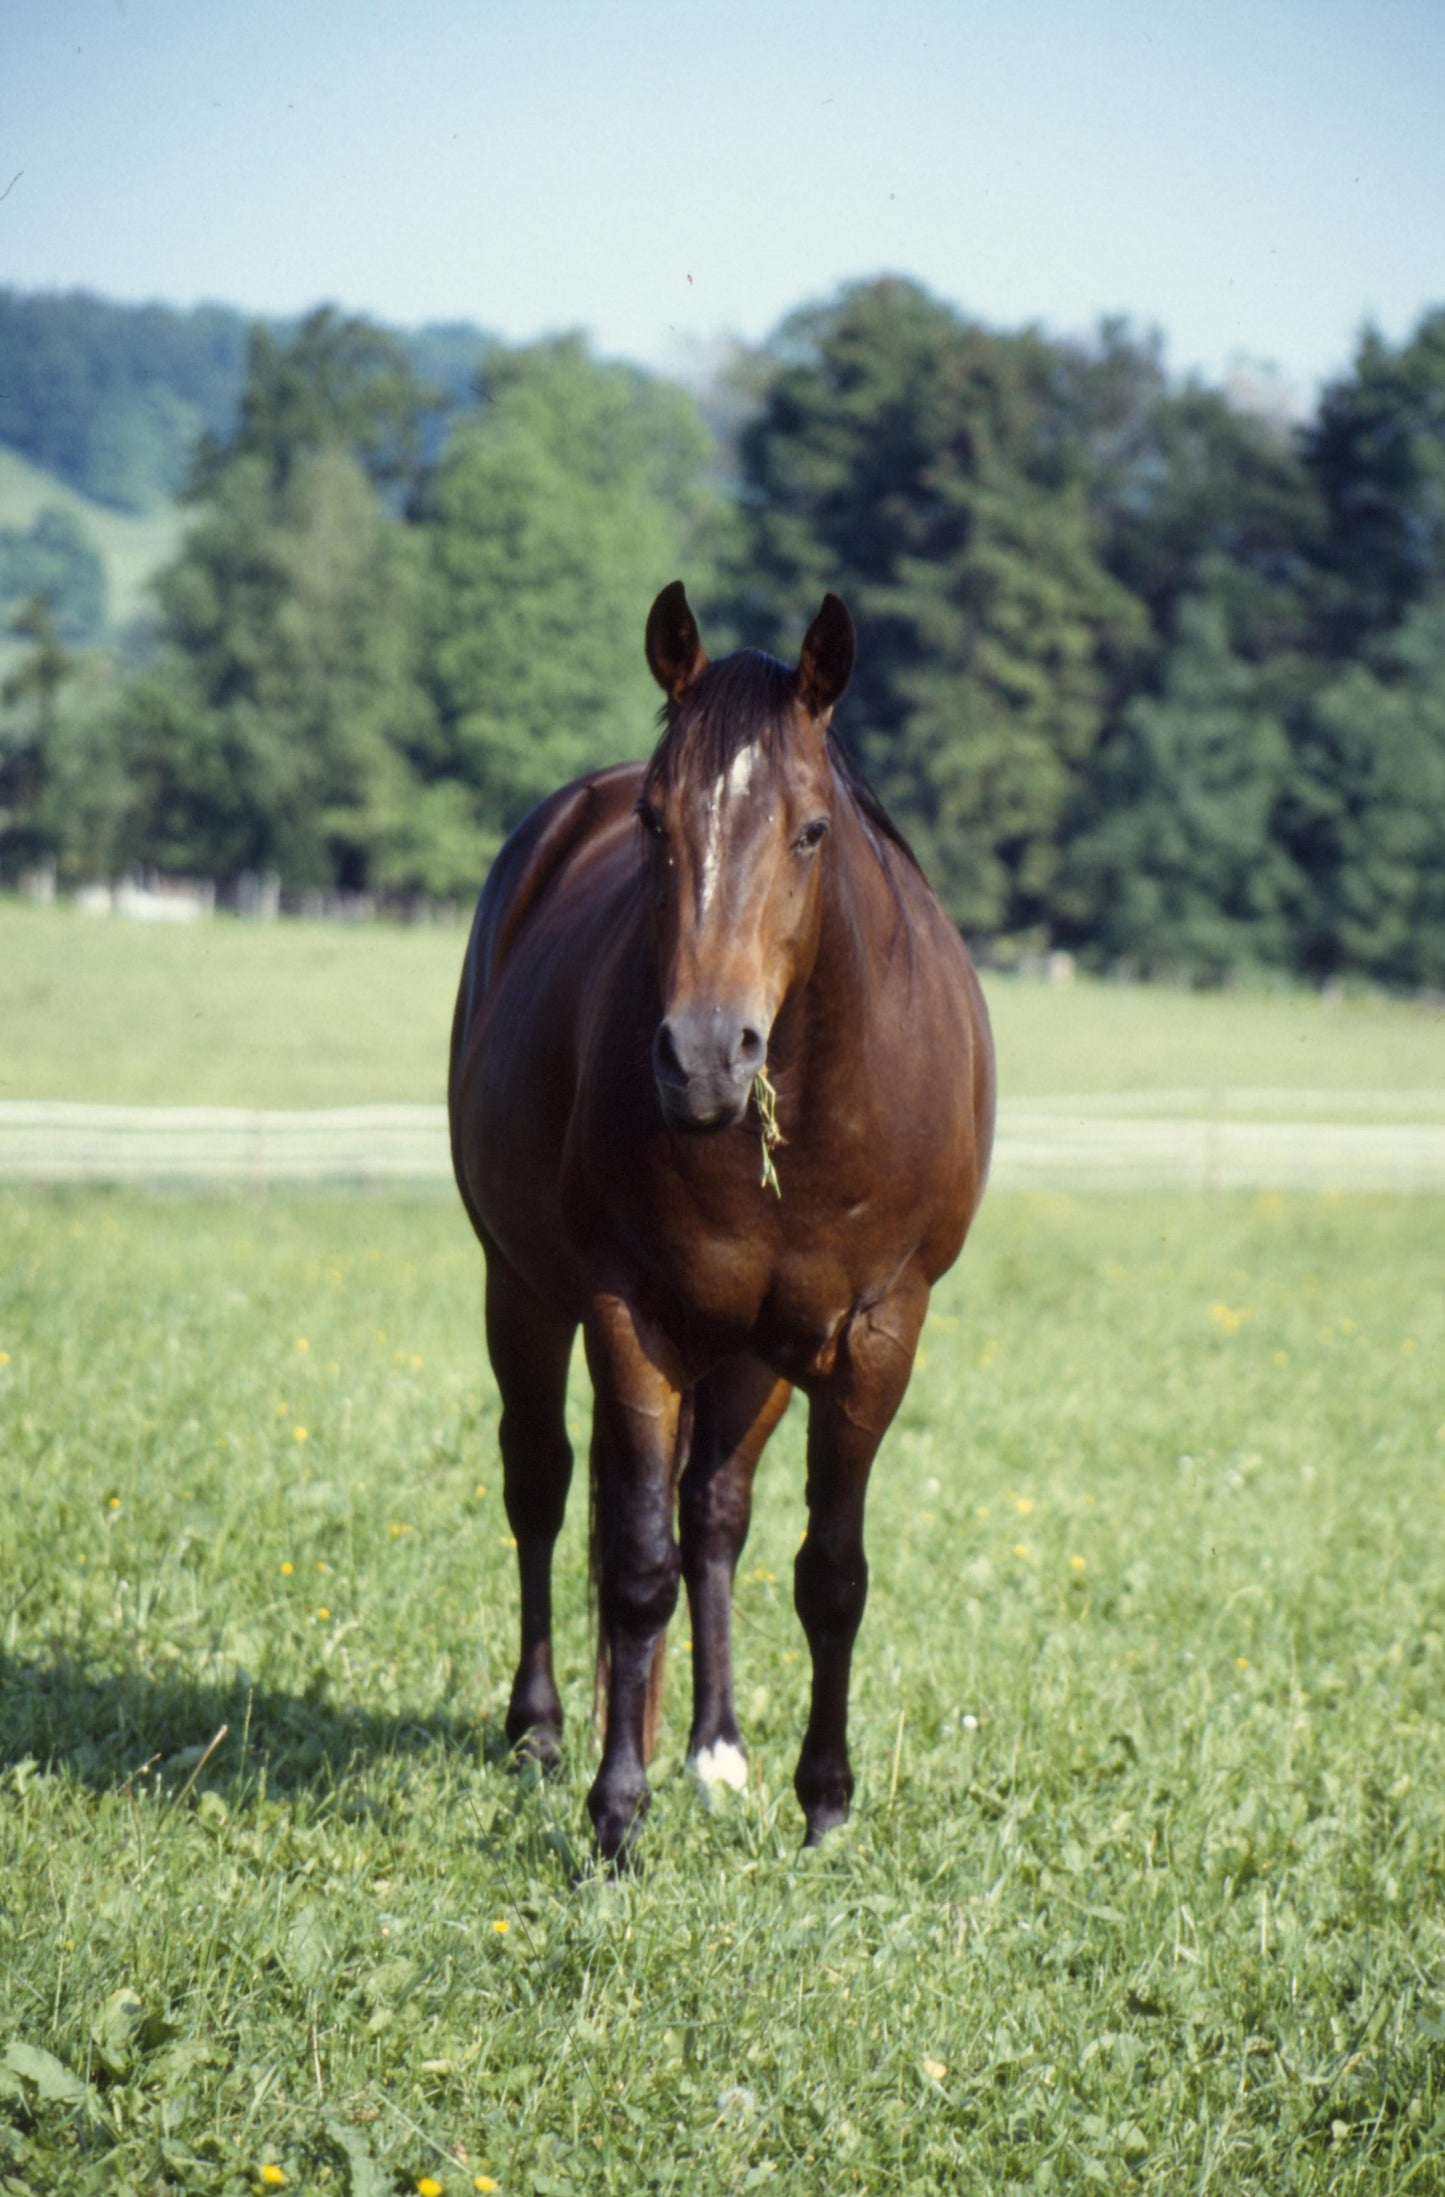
(743, 701)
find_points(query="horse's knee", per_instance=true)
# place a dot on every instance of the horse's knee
(713, 1520)
(639, 1593)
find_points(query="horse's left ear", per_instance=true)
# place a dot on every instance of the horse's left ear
(826, 663)
(675, 654)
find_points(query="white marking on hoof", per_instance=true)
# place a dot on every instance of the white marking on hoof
(723, 1764)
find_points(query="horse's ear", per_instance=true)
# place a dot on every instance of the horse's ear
(675, 654)
(826, 663)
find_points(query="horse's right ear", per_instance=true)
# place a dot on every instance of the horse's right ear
(675, 654)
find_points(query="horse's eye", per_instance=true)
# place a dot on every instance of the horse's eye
(649, 819)
(810, 834)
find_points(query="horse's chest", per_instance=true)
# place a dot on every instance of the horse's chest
(786, 1302)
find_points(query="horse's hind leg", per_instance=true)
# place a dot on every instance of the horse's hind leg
(735, 1410)
(530, 1348)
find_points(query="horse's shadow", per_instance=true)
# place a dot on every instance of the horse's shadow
(136, 1730)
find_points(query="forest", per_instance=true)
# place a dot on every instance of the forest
(1148, 670)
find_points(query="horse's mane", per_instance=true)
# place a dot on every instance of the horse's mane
(745, 700)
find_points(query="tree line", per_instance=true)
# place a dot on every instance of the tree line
(1144, 672)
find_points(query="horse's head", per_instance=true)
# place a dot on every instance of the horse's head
(735, 807)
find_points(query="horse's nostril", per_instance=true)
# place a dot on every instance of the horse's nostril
(664, 1056)
(749, 1050)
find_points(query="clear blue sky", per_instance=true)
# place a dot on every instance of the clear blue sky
(1255, 177)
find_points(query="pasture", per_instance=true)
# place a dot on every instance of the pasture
(1143, 1888)
(323, 1014)
(1143, 1885)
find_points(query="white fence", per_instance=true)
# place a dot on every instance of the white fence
(1185, 1140)
(50, 1142)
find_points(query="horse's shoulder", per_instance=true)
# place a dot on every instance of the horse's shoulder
(539, 851)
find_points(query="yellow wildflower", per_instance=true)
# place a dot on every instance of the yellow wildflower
(287, 1568)
(501, 1928)
(274, 2177)
(298, 1433)
(428, 2186)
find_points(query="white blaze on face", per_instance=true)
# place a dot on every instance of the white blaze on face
(731, 786)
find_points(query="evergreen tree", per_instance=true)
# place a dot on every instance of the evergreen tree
(1378, 453)
(1364, 815)
(1179, 868)
(900, 455)
(338, 382)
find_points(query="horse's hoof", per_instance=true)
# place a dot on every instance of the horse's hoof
(540, 1744)
(616, 1821)
(827, 1816)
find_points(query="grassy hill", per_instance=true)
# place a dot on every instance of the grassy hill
(132, 547)
(315, 1014)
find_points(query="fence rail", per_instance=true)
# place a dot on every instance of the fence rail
(1222, 1140)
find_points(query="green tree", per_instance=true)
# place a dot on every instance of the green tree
(1364, 816)
(1189, 491)
(338, 382)
(1377, 451)
(275, 731)
(29, 727)
(55, 559)
(1179, 867)
(554, 516)
(901, 455)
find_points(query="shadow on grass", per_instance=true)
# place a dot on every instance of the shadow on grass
(108, 1731)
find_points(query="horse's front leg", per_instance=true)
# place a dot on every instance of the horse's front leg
(737, 1407)
(851, 1412)
(639, 1391)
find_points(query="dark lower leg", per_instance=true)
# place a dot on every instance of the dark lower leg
(534, 1511)
(846, 1423)
(639, 1392)
(530, 1350)
(830, 1579)
(639, 1584)
(736, 1410)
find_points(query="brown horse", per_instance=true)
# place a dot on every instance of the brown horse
(651, 942)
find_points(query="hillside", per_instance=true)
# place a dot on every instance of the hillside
(112, 398)
(132, 545)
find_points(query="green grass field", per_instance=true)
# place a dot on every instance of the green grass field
(1144, 1885)
(318, 1014)
(1143, 1889)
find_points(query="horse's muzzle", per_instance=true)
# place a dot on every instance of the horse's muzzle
(704, 1063)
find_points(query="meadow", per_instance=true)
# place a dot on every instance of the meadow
(1143, 1888)
(326, 1014)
